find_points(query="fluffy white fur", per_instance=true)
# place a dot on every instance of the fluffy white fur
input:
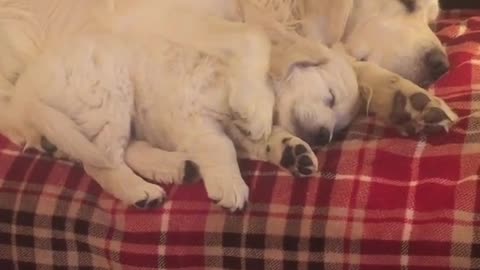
(197, 88)
(83, 93)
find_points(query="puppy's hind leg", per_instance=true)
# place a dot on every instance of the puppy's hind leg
(159, 165)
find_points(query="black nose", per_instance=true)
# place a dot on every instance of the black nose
(437, 63)
(323, 137)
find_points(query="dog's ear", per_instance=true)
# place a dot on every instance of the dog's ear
(326, 20)
(289, 50)
(284, 60)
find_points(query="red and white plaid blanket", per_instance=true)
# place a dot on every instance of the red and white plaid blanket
(380, 202)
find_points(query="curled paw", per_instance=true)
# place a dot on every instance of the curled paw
(153, 197)
(298, 157)
(228, 192)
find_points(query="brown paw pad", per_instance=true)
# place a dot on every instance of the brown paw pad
(298, 160)
(418, 113)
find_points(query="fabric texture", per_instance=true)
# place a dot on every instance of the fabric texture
(381, 201)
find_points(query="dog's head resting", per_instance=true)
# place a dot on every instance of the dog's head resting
(316, 90)
(395, 34)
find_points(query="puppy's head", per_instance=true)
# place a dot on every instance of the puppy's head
(396, 35)
(316, 91)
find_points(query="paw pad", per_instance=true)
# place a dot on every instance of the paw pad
(420, 113)
(298, 159)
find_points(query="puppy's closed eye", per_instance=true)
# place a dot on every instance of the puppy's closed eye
(333, 100)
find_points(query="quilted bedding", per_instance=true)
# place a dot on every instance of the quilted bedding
(381, 201)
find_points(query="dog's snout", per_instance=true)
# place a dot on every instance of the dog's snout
(437, 63)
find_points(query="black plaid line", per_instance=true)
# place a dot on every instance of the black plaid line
(27, 265)
(316, 266)
(230, 262)
(475, 252)
(59, 223)
(5, 239)
(81, 227)
(317, 244)
(255, 241)
(291, 243)
(6, 216)
(83, 247)
(25, 240)
(232, 240)
(6, 264)
(25, 218)
(254, 264)
(290, 265)
(59, 244)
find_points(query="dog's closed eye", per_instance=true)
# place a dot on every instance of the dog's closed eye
(333, 99)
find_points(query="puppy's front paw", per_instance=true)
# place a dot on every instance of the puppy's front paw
(298, 158)
(252, 111)
(228, 192)
(292, 154)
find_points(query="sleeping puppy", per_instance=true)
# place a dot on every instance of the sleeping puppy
(28, 26)
(395, 100)
(123, 102)
(308, 108)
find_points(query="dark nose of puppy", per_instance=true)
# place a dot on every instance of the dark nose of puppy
(323, 137)
(47, 146)
(437, 63)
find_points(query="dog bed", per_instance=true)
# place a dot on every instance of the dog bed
(380, 201)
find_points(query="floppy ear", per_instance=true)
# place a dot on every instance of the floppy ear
(289, 50)
(326, 20)
(284, 60)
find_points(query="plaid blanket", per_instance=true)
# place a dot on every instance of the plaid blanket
(380, 202)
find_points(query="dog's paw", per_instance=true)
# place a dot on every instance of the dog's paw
(146, 196)
(297, 157)
(401, 103)
(420, 112)
(252, 111)
(229, 192)
(291, 153)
